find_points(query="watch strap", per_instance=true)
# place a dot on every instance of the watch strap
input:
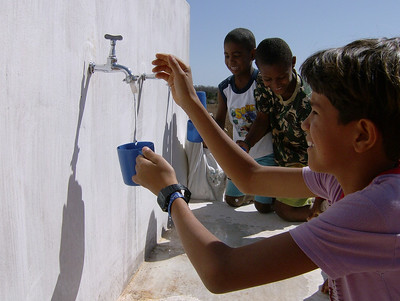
(165, 193)
(172, 198)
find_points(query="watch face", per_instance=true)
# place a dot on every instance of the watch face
(161, 201)
(165, 193)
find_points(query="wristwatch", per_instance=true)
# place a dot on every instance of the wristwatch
(165, 194)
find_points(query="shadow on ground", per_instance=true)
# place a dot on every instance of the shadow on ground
(234, 226)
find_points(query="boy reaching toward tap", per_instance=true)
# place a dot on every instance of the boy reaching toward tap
(353, 155)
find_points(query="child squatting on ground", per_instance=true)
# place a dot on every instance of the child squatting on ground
(236, 97)
(353, 134)
(283, 102)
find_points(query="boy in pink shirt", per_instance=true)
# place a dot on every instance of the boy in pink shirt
(353, 133)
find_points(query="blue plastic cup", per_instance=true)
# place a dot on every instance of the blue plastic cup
(127, 154)
(192, 133)
(203, 98)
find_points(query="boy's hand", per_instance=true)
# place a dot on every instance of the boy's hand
(153, 171)
(178, 76)
(243, 145)
(316, 208)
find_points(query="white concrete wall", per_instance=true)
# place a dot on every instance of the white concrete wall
(69, 228)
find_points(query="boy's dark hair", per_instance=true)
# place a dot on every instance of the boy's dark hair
(362, 80)
(241, 36)
(273, 51)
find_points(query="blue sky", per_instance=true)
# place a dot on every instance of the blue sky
(307, 26)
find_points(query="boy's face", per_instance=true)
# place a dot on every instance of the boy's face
(238, 59)
(279, 78)
(329, 142)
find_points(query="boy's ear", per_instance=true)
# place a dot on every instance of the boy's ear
(366, 135)
(253, 54)
(293, 61)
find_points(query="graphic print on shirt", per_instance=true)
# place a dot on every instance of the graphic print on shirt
(242, 118)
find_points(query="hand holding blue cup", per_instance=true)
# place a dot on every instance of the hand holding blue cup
(127, 154)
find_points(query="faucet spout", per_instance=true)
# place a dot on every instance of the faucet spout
(111, 68)
(128, 73)
(111, 65)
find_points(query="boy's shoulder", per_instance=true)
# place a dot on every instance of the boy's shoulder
(304, 87)
(302, 94)
(225, 83)
(230, 81)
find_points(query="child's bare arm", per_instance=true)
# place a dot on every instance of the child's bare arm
(248, 175)
(224, 269)
(221, 267)
(276, 181)
(259, 128)
(220, 116)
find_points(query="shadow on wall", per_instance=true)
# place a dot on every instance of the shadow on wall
(173, 148)
(167, 153)
(72, 247)
(168, 133)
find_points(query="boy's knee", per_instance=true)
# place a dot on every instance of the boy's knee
(290, 213)
(235, 201)
(263, 208)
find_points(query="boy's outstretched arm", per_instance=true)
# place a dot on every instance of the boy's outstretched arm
(260, 127)
(222, 268)
(249, 177)
(220, 116)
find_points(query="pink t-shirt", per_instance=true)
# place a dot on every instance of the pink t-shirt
(356, 242)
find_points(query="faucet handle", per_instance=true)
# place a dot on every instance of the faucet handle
(114, 38)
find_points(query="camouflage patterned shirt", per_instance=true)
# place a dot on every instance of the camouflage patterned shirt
(286, 116)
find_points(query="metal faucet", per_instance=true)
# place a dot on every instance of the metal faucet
(111, 65)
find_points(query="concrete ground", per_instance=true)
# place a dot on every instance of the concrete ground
(167, 273)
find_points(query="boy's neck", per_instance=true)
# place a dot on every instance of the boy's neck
(241, 80)
(359, 176)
